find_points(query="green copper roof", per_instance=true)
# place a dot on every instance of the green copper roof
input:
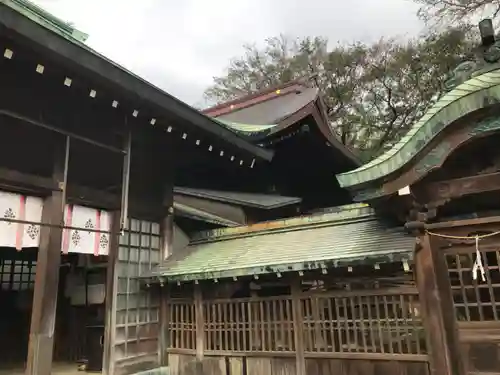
(356, 237)
(365, 241)
(43, 17)
(473, 94)
(245, 128)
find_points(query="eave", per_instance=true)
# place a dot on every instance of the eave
(473, 95)
(260, 133)
(53, 41)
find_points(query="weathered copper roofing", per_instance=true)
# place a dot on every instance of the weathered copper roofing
(38, 14)
(345, 238)
(263, 201)
(56, 37)
(470, 96)
(272, 111)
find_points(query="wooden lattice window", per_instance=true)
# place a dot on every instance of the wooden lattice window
(366, 322)
(385, 321)
(137, 310)
(475, 300)
(182, 324)
(258, 324)
(17, 274)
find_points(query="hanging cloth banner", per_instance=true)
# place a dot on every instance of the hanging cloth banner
(85, 239)
(19, 207)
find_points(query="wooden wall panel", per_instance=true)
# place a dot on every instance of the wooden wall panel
(236, 366)
(365, 367)
(259, 366)
(214, 366)
(180, 362)
(481, 357)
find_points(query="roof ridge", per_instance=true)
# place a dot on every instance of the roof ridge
(332, 223)
(349, 215)
(250, 96)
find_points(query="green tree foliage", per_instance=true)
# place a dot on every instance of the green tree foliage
(457, 12)
(373, 92)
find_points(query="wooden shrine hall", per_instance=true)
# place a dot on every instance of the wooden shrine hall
(140, 236)
(88, 158)
(407, 281)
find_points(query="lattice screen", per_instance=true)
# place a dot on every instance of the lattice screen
(17, 274)
(475, 300)
(137, 310)
(369, 321)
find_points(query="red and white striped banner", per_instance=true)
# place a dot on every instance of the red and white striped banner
(20, 207)
(86, 238)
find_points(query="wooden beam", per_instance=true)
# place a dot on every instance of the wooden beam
(10, 179)
(438, 312)
(43, 316)
(109, 201)
(26, 183)
(463, 223)
(458, 187)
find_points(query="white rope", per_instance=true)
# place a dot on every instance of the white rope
(478, 264)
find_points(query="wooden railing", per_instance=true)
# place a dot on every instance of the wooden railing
(376, 322)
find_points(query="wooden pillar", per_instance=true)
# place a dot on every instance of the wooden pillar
(167, 239)
(118, 224)
(167, 234)
(298, 327)
(43, 316)
(111, 285)
(255, 319)
(200, 323)
(438, 313)
(164, 325)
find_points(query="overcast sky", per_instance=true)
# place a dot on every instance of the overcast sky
(179, 45)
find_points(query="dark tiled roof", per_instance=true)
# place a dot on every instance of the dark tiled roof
(264, 201)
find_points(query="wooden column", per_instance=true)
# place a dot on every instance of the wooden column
(167, 234)
(111, 285)
(438, 313)
(164, 325)
(298, 327)
(118, 225)
(200, 323)
(43, 316)
(167, 240)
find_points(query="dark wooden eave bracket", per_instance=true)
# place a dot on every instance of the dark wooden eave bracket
(458, 187)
